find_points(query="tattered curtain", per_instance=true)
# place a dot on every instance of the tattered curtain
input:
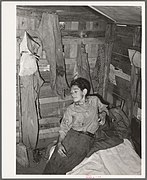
(50, 35)
(82, 68)
(31, 82)
(98, 73)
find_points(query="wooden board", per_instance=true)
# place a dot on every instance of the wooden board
(44, 134)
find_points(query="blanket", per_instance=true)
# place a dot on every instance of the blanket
(112, 152)
(119, 160)
(112, 132)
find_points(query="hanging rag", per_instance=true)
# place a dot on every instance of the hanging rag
(99, 69)
(31, 83)
(82, 68)
(28, 44)
(28, 50)
(30, 114)
(49, 33)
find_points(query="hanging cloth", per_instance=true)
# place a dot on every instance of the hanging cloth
(99, 69)
(50, 35)
(28, 49)
(82, 68)
(30, 108)
(31, 83)
(28, 44)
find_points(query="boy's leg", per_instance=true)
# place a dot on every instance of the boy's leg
(77, 146)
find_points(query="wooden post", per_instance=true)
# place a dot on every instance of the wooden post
(137, 37)
(135, 75)
(109, 40)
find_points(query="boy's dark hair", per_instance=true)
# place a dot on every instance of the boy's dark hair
(82, 83)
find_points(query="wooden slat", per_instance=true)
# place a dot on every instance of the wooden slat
(73, 60)
(49, 135)
(72, 40)
(81, 18)
(45, 120)
(48, 110)
(28, 13)
(43, 135)
(54, 99)
(46, 91)
(73, 50)
(52, 107)
(125, 31)
(51, 132)
(74, 25)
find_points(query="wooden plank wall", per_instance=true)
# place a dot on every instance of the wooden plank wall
(51, 106)
(93, 34)
(121, 91)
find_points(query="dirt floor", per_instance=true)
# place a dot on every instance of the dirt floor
(36, 168)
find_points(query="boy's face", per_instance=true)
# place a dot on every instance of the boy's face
(76, 93)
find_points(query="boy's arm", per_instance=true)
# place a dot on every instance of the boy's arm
(102, 107)
(103, 111)
(65, 125)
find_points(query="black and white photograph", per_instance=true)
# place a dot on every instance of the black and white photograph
(74, 105)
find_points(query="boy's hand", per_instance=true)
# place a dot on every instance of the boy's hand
(102, 118)
(61, 150)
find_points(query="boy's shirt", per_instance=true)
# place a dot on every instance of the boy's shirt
(82, 117)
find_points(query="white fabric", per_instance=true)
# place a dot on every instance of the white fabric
(51, 152)
(28, 64)
(24, 44)
(119, 160)
(135, 57)
(28, 47)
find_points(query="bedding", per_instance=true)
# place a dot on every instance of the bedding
(119, 160)
(112, 152)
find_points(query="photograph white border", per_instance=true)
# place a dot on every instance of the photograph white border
(8, 44)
